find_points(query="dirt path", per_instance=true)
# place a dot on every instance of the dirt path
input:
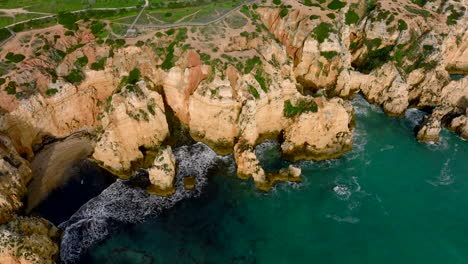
(16, 11)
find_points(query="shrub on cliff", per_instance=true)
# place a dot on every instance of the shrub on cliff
(99, 65)
(351, 17)
(302, 106)
(14, 57)
(75, 76)
(82, 61)
(68, 20)
(254, 91)
(336, 4)
(322, 31)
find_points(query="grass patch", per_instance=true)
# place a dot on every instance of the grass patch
(261, 81)
(302, 106)
(336, 5)
(82, 61)
(14, 57)
(4, 34)
(418, 11)
(351, 17)
(402, 25)
(51, 91)
(284, 12)
(168, 61)
(322, 31)
(328, 54)
(254, 91)
(251, 63)
(75, 76)
(99, 65)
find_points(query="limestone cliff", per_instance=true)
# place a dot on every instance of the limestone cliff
(29, 240)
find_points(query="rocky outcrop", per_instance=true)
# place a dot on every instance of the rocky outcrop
(320, 135)
(162, 172)
(247, 163)
(29, 240)
(431, 126)
(460, 125)
(135, 118)
(15, 174)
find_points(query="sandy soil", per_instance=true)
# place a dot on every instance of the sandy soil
(51, 167)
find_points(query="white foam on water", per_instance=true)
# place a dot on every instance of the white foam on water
(346, 219)
(445, 176)
(342, 191)
(362, 107)
(414, 116)
(125, 203)
(386, 147)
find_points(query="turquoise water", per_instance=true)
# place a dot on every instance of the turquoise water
(390, 200)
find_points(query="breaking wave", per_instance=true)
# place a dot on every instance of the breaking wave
(127, 202)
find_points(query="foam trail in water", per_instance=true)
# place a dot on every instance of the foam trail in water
(414, 116)
(127, 202)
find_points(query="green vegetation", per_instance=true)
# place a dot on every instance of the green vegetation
(420, 3)
(128, 82)
(134, 76)
(277, 2)
(82, 61)
(261, 80)
(331, 15)
(418, 11)
(168, 61)
(284, 12)
(454, 15)
(98, 29)
(302, 106)
(254, 91)
(336, 4)
(376, 55)
(251, 63)
(51, 91)
(313, 17)
(402, 25)
(55, 6)
(11, 88)
(99, 65)
(351, 17)
(2, 81)
(151, 106)
(328, 54)
(139, 43)
(75, 76)
(370, 5)
(72, 49)
(322, 31)
(56, 54)
(119, 43)
(68, 20)
(308, 2)
(413, 56)
(4, 34)
(12, 57)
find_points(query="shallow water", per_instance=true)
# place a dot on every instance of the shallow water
(390, 200)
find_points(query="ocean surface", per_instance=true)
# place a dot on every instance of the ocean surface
(390, 200)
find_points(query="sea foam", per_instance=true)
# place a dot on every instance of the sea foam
(127, 202)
